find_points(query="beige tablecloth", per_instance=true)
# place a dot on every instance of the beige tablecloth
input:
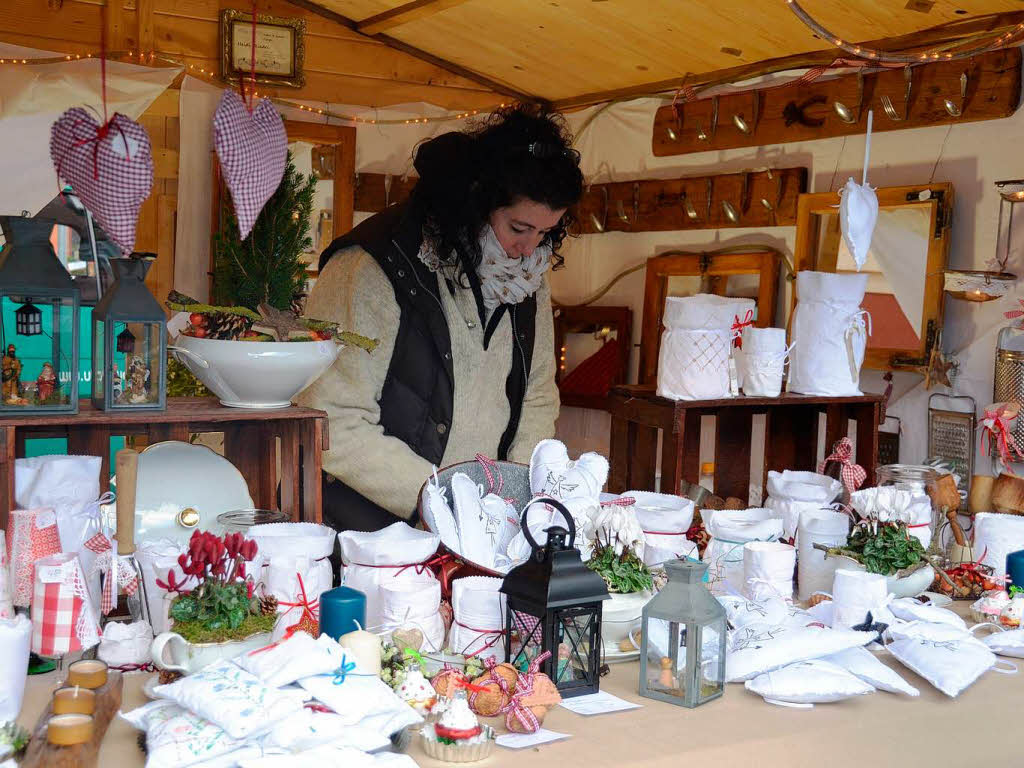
(980, 728)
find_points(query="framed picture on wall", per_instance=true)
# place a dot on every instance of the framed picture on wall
(280, 48)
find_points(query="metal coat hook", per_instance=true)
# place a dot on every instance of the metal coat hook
(620, 209)
(636, 201)
(602, 223)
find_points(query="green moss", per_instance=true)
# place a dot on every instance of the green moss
(195, 631)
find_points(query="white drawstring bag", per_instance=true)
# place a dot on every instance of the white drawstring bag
(814, 571)
(664, 520)
(478, 627)
(768, 569)
(830, 333)
(696, 345)
(807, 683)
(791, 493)
(855, 594)
(761, 360)
(414, 604)
(729, 531)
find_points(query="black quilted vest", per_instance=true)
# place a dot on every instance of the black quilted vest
(416, 402)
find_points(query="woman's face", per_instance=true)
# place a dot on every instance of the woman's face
(521, 227)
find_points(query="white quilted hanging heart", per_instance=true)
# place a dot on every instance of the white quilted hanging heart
(253, 150)
(109, 167)
(858, 213)
(552, 473)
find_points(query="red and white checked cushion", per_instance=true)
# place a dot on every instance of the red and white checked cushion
(252, 149)
(110, 168)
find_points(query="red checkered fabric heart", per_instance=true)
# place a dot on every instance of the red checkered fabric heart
(253, 150)
(110, 168)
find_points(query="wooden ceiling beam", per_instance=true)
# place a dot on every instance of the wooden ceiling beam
(938, 35)
(404, 14)
(456, 69)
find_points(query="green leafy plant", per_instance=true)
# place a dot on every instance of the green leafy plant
(625, 573)
(883, 548)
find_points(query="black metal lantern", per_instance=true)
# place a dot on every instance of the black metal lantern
(554, 606)
(129, 336)
(39, 307)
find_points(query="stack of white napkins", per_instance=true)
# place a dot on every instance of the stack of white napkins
(248, 711)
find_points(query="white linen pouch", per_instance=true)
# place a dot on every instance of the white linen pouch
(177, 738)
(911, 609)
(286, 661)
(951, 659)
(1006, 643)
(808, 682)
(232, 699)
(124, 644)
(308, 729)
(865, 665)
(362, 699)
(758, 648)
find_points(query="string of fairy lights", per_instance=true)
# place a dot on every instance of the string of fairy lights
(209, 75)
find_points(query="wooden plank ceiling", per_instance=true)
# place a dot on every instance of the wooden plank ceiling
(575, 51)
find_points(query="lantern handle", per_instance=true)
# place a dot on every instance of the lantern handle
(557, 505)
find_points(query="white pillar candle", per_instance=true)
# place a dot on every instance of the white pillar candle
(365, 649)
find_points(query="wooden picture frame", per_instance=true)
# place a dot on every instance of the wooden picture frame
(280, 43)
(938, 197)
(718, 268)
(591, 319)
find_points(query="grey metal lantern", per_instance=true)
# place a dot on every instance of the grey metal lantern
(38, 322)
(129, 337)
(554, 607)
(682, 656)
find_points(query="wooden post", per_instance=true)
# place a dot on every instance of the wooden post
(7, 443)
(146, 36)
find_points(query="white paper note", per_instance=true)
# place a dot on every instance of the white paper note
(522, 740)
(599, 703)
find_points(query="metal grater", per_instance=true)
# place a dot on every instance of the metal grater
(951, 436)
(889, 443)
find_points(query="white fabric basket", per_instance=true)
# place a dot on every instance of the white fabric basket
(479, 623)
(791, 493)
(768, 569)
(830, 333)
(729, 531)
(814, 570)
(694, 365)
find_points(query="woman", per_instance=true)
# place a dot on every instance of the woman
(453, 284)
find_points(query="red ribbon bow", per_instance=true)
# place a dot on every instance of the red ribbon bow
(738, 326)
(995, 427)
(122, 573)
(310, 613)
(852, 475)
(101, 133)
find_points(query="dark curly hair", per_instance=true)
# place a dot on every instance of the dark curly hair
(514, 153)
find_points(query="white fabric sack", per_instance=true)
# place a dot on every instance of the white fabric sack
(123, 644)
(438, 515)
(729, 531)
(857, 593)
(15, 639)
(891, 503)
(694, 365)
(156, 557)
(808, 682)
(791, 493)
(951, 659)
(406, 603)
(682, 549)
(815, 572)
(865, 665)
(995, 536)
(554, 474)
(396, 546)
(362, 699)
(761, 361)
(478, 626)
(758, 648)
(307, 729)
(664, 520)
(912, 609)
(858, 214)
(704, 310)
(232, 699)
(6, 592)
(768, 569)
(829, 334)
(1005, 643)
(178, 738)
(286, 661)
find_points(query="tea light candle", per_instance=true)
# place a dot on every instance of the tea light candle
(65, 730)
(76, 700)
(87, 673)
(365, 648)
(342, 610)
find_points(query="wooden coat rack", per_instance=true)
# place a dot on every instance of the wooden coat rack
(806, 111)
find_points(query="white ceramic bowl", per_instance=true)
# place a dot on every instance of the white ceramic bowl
(255, 374)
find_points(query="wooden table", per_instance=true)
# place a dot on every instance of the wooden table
(250, 443)
(791, 436)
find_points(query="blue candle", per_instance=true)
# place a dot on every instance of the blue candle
(342, 610)
(1015, 568)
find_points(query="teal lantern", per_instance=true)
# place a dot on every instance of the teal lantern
(38, 322)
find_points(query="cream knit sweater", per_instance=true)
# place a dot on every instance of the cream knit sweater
(354, 292)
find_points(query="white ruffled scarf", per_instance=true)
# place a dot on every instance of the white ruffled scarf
(503, 278)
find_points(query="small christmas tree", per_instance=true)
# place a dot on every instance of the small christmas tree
(267, 265)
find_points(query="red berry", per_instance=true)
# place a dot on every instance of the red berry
(199, 333)
(197, 319)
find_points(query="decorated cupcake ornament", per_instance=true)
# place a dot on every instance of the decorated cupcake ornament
(457, 736)
(416, 691)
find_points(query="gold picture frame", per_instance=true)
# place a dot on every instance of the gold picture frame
(280, 43)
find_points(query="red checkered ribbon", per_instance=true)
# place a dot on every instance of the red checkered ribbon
(738, 326)
(852, 475)
(515, 710)
(491, 471)
(1014, 314)
(995, 428)
(479, 688)
(622, 501)
(105, 563)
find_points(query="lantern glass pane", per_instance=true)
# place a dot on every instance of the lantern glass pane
(527, 637)
(665, 675)
(39, 371)
(136, 373)
(577, 634)
(712, 662)
(99, 392)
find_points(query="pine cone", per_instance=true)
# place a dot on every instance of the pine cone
(268, 605)
(167, 676)
(298, 304)
(224, 326)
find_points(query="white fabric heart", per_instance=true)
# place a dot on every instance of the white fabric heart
(858, 213)
(474, 543)
(552, 473)
(109, 167)
(253, 150)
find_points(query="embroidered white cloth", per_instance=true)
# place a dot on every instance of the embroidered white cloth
(757, 648)
(286, 661)
(865, 665)
(807, 683)
(729, 531)
(177, 738)
(949, 658)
